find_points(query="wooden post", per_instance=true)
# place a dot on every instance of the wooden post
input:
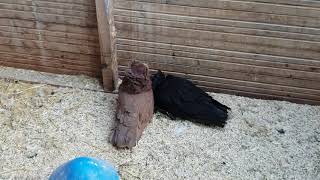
(107, 38)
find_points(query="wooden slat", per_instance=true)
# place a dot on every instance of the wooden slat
(41, 37)
(268, 87)
(172, 54)
(49, 46)
(50, 53)
(161, 37)
(48, 26)
(248, 91)
(260, 96)
(62, 61)
(48, 69)
(82, 2)
(305, 3)
(43, 17)
(107, 44)
(77, 7)
(215, 27)
(193, 34)
(230, 75)
(212, 64)
(217, 52)
(47, 63)
(218, 22)
(219, 13)
(287, 90)
(74, 36)
(269, 8)
(53, 11)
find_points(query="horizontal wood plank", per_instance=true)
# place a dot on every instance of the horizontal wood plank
(73, 36)
(62, 61)
(269, 94)
(230, 75)
(223, 28)
(51, 18)
(217, 52)
(217, 21)
(53, 11)
(212, 64)
(193, 34)
(206, 42)
(219, 13)
(41, 37)
(247, 6)
(186, 52)
(305, 3)
(49, 53)
(260, 96)
(47, 62)
(48, 26)
(49, 45)
(48, 69)
(56, 5)
(212, 79)
(81, 2)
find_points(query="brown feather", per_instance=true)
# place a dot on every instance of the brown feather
(135, 106)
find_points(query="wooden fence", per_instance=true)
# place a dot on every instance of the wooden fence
(259, 48)
(58, 36)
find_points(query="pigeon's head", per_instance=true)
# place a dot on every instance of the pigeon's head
(138, 70)
(157, 79)
(136, 78)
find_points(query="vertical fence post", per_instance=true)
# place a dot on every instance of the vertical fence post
(107, 39)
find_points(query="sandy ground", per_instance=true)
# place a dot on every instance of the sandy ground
(42, 126)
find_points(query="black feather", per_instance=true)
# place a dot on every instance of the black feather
(181, 98)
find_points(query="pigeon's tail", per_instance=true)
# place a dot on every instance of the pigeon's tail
(123, 137)
(221, 106)
(125, 134)
(222, 118)
(219, 114)
(219, 120)
(210, 115)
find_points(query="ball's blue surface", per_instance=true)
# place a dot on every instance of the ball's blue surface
(85, 168)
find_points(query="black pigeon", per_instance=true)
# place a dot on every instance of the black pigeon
(178, 97)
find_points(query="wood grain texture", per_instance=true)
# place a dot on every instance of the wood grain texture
(58, 36)
(54, 5)
(269, 8)
(258, 48)
(107, 38)
(244, 88)
(219, 13)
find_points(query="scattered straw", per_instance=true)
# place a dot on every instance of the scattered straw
(44, 126)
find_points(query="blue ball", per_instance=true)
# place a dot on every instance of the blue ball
(85, 168)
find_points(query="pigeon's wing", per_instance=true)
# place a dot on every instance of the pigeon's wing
(191, 92)
(183, 99)
(204, 95)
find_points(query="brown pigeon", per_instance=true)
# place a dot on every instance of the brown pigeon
(135, 106)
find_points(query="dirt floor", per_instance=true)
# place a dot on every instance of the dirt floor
(42, 126)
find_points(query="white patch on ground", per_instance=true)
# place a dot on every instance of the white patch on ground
(42, 127)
